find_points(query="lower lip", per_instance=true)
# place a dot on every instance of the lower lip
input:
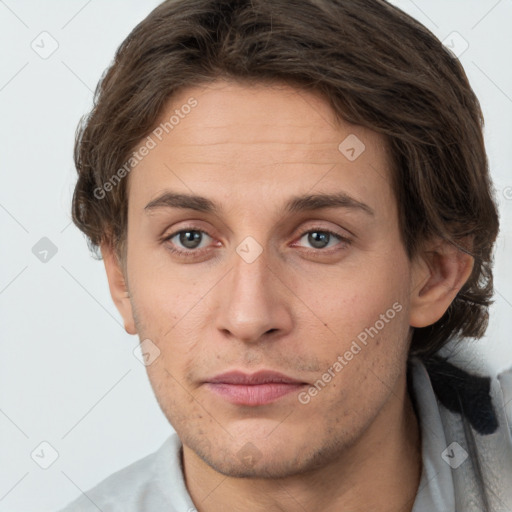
(257, 394)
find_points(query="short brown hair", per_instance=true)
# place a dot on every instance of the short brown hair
(375, 65)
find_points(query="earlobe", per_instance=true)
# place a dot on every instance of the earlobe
(437, 276)
(118, 287)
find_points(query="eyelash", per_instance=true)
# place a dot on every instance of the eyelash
(191, 253)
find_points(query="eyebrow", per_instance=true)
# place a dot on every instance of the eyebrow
(295, 204)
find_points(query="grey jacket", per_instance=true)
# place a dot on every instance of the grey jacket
(469, 428)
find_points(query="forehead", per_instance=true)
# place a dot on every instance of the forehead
(258, 139)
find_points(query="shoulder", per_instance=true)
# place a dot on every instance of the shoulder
(504, 380)
(134, 487)
(474, 407)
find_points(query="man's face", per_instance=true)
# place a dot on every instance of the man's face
(266, 288)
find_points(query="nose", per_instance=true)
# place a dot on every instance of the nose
(253, 301)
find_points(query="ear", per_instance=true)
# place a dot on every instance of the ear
(118, 287)
(438, 273)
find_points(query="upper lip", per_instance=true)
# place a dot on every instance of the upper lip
(261, 377)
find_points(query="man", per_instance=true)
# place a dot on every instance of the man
(294, 209)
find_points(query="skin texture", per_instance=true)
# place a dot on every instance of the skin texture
(294, 309)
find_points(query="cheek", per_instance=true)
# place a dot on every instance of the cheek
(365, 348)
(169, 312)
(161, 296)
(350, 300)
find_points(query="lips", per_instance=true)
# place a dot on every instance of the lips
(261, 377)
(261, 388)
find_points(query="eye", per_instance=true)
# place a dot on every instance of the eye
(320, 238)
(188, 242)
(189, 239)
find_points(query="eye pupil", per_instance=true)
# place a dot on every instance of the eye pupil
(313, 239)
(190, 236)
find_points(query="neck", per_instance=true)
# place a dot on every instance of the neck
(381, 471)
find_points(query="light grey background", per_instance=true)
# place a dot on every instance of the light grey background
(68, 374)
